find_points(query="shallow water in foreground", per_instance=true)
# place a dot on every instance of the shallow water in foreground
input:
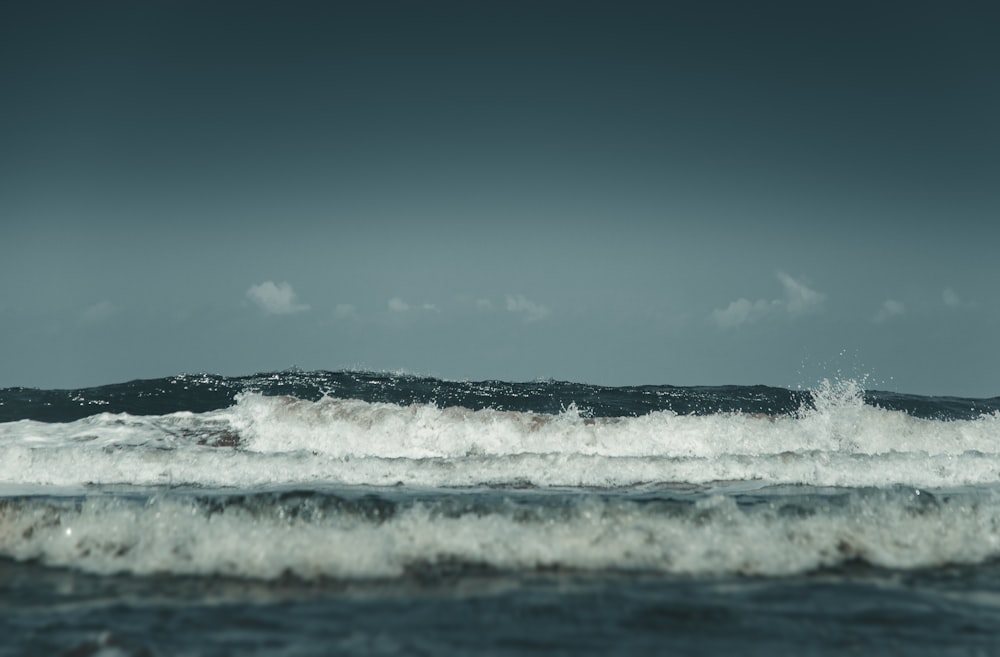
(852, 610)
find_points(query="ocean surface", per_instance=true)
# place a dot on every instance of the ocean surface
(325, 513)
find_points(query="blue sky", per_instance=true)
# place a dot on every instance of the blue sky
(616, 193)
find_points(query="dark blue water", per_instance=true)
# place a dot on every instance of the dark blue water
(55, 612)
(206, 392)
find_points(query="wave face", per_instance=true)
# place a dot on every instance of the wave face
(363, 475)
(312, 534)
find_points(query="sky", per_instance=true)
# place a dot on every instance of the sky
(688, 193)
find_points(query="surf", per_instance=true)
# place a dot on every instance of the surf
(835, 437)
(351, 534)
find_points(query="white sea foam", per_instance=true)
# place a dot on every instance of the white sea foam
(264, 440)
(840, 422)
(183, 535)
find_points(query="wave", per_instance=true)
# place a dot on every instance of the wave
(415, 477)
(311, 534)
(836, 440)
(204, 392)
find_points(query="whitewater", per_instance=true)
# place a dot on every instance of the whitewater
(620, 512)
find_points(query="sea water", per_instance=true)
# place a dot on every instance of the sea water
(314, 513)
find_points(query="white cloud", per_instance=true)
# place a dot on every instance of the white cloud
(98, 312)
(397, 305)
(890, 308)
(799, 299)
(345, 311)
(950, 298)
(741, 311)
(275, 299)
(531, 311)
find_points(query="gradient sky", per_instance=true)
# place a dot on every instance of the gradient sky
(607, 192)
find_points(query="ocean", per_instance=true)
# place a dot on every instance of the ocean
(361, 513)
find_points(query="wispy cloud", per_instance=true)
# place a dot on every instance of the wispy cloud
(528, 309)
(275, 298)
(742, 311)
(345, 311)
(397, 305)
(950, 298)
(798, 299)
(890, 308)
(99, 312)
